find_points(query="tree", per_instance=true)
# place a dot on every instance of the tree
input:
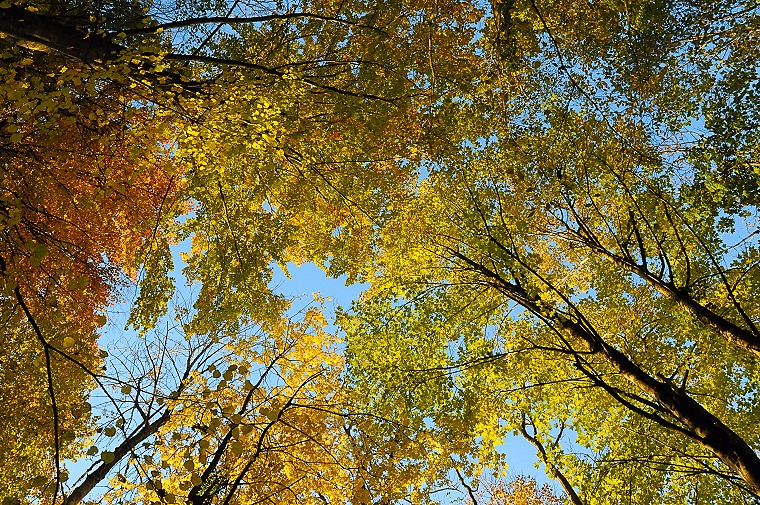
(582, 271)
(263, 122)
(553, 250)
(251, 417)
(262, 415)
(80, 201)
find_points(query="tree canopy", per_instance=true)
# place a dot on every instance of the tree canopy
(553, 205)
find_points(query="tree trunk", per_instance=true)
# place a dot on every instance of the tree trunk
(700, 425)
(80, 492)
(45, 33)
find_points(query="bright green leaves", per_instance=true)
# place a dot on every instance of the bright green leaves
(580, 208)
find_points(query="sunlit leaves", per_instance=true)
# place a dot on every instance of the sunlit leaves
(501, 177)
(578, 207)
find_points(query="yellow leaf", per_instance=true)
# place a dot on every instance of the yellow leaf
(269, 413)
(236, 448)
(196, 479)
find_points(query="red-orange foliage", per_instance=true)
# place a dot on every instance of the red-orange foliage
(75, 208)
(85, 191)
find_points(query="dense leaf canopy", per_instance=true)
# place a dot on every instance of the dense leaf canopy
(553, 204)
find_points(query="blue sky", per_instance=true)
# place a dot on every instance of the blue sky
(305, 281)
(309, 279)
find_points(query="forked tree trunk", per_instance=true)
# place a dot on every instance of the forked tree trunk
(699, 424)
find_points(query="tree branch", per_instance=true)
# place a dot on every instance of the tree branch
(227, 20)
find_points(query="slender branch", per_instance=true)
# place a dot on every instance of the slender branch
(556, 473)
(227, 20)
(49, 372)
(469, 489)
(275, 72)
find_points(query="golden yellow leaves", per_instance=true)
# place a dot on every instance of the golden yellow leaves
(195, 479)
(271, 414)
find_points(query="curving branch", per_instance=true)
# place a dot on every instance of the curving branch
(700, 425)
(232, 21)
(46, 347)
(572, 495)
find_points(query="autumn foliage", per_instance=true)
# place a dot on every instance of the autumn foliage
(551, 204)
(520, 490)
(88, 186)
